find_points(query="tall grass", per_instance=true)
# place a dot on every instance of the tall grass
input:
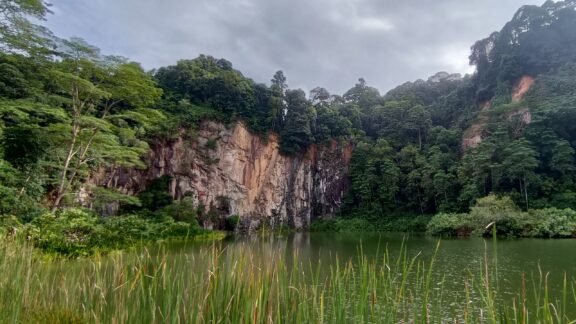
(237, 285)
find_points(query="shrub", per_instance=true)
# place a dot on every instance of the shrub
(9, 226)
(342, 225)
(177, 229)
(156, 194)
(449, 225)
(69, 233)
(122, 230)
(490, 210)
(77, 232)
(493, 209)
(406, 223)
(552, 222)
(211, 144)
(181, 211)
(232, 222)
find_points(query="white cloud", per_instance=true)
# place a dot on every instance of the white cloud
(373, 24)
(456, 58)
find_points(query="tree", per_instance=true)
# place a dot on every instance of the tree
(562, 160)
(17, 33)
(419, 121)
(277, 102)
(279, 82)
(364, 95)
(319, 96)
(519, 163)
(296, 135)
(95, 87)
(330, 124)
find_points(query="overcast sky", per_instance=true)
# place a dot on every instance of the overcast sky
(328, 43)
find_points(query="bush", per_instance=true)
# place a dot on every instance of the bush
(488, 211)
(180, 211)
(232, 222)
(10, 226)
(211, 144)
(123, 230)
(449, 225)
(342, 225)
(77, 232)
(177, 229)
(72, 233)
(552, 223)
(493, 209)
(406, 223)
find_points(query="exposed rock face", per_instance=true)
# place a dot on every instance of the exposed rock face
(473, 136)
(520, 90)
(247, 171)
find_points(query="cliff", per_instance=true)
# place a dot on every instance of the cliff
(247, 173)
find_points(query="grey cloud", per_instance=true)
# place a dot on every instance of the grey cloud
(329, 43)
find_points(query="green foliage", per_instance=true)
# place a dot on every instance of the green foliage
(508, 220)
(404, 223)
(71, 233)
(53, 315)
(156, 195)
(296, 135)
(210, 82)
(492, 209)
(78, 233)
(488, 212)
(552, 223)
(211, 144)
(17, 33)
(180, 211)
(449, 225)
(342, 225)
(232, 222)
(104, 197)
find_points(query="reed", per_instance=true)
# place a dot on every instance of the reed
(237, 285)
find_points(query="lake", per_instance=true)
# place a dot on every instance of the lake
(455, 260)
(301, 277)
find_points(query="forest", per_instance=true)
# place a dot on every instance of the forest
(444, 146)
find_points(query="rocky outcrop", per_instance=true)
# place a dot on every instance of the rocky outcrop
(473, 135)
(522, 87)
(247, 172)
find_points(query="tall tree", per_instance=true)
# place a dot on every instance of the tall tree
(95, 86)
(296, 135)
(520, 161)
(17, 33)
(277, 101)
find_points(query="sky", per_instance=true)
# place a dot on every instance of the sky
(327, 43)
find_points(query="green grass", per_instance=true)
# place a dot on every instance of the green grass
(238, 285)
